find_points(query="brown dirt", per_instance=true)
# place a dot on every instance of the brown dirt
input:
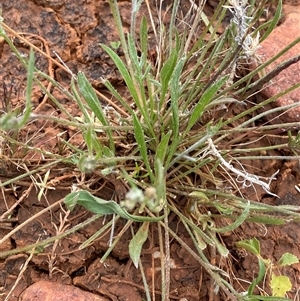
(74, 30)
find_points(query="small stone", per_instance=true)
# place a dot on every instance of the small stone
(52, 291)
(279, 38)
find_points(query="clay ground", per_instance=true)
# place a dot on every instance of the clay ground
(74, 30)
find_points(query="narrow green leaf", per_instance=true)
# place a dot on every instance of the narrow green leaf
(93, 102)
(117, 60)
(265, 298)
(115, 45)
(162, 148)
(272, 23)
(117, 95)
(144, 35)
(224, 209)
(261, 270)
(236, 223)
(201, 196)
(160, 185)
(92, 143)
(175, 86)
(201, 244)
(288, 259)
(134, 56)
(205, 99)
(9, 120)
(136, 243)
(137, 72)
(267, 220)
(140, 139)
(125, 75)
(103, 207)
(91, 98)
(172, 150)
(175, 83)
(30, 75)
(107, 152)
(223, 251)
(166, 74)
(251, 245)
(175, 120)
(78, 97)
(260, 277)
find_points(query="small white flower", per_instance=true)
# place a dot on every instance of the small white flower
(135, 194)
(251, 46)
(238, 3)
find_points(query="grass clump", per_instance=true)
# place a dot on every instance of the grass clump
(180, 134)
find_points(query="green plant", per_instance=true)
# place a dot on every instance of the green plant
(280, 284)
(185, 134)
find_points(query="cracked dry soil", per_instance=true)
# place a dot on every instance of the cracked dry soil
(74, 29)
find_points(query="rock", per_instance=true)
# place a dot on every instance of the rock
(51, 291)
(280, 37)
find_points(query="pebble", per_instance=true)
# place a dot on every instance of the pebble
(279, 38)
(52, 291)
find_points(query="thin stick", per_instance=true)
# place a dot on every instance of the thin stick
(24, 267)
(49, 240)
(29, 220)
